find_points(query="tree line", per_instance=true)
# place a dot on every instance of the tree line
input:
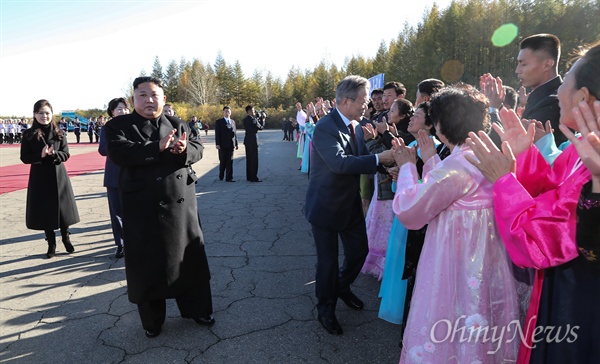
(452, 44)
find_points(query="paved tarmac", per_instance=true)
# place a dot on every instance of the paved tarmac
(74, 308)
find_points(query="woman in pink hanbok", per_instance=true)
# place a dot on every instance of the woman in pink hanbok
(465, 294)
(535, 206)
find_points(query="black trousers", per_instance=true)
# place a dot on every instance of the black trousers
(226, 163)
(331, 279)
(251, 162)
(192, 304)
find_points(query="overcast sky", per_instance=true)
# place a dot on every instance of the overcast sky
(80, 54)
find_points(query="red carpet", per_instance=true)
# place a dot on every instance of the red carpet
(15, 177)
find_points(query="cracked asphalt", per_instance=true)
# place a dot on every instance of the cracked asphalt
(74, 308)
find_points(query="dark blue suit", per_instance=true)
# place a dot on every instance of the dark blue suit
(111, 182)
(333, 207)
(226, 140)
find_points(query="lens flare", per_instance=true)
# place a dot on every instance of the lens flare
(504, 35)
(452, 70)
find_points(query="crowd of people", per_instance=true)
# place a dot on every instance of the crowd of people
(11, 130)
(482, 222)
(476, 206)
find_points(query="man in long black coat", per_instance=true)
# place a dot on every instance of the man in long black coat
(252, 125)
(165, 246)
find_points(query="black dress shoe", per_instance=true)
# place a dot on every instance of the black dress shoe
(352, 301)
(257, 180)
(331, 325)
(152, 334)
(204, 321)
(119, 253)
(230, 180)
(51, 250)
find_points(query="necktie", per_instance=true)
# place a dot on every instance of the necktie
(353, 135)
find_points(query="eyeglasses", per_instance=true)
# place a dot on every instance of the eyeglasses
(365, 102)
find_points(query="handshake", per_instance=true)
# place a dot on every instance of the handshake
(386, 158)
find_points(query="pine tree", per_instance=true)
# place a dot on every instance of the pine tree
(157, 71)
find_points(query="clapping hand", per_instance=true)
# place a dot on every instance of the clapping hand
(169, 142)
(310, 109)
(47, 150)
(588, 147)
(402, 153)
(513, 131)
(492, 162)
(368, 131)
(523, 96)
(426, 146)
(492, 88)
(541, 130)
(381, 127)
(179, 146)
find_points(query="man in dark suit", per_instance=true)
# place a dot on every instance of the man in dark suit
(252, 125)
(537, 68)
(165, 246)
(225, 141)
(333, 204)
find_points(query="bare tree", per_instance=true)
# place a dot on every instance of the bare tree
(202, 84)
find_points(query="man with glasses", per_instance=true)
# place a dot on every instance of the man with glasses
(333, 204)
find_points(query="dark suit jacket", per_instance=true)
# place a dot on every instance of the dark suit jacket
(225, 137)
(542, 105)
(111, 170)
(252, 126)
(333, 191)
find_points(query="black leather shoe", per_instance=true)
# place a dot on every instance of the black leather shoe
(153, 334)
(119, 253)
(331, 325)
(51, 250)
(204, 321)
(352, 301)
(257, 180)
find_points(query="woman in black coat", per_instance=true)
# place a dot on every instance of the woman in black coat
(50, 199)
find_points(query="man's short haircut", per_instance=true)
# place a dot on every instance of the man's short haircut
(168, 105)
(397, 86)
(430, 86)
(543, 42)
(112, 105)
(511, 97)
(138, 81)
(249, 107)
(349, 88)
(377, 91)
(226, 107)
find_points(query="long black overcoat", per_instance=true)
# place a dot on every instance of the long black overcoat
(163, 240)
(49, 191)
